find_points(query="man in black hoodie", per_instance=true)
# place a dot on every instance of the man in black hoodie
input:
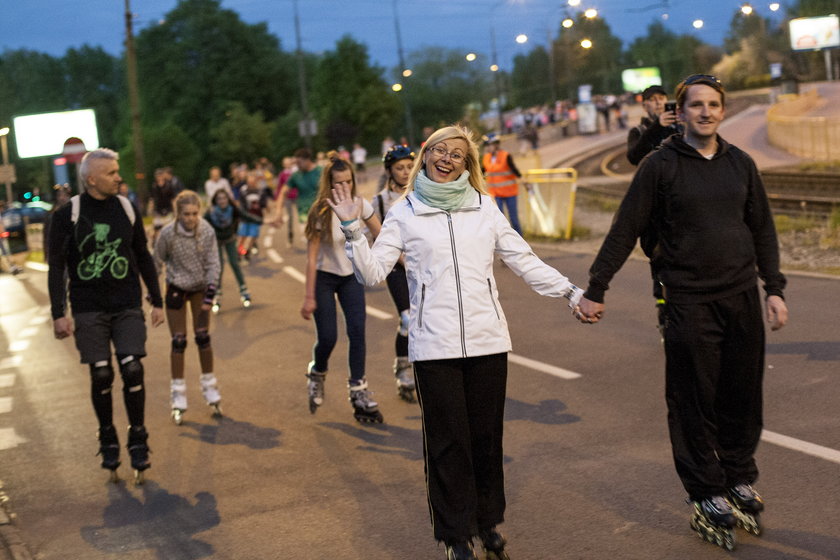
(98, 238)
(714, 235)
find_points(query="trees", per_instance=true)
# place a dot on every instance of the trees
(599, 65)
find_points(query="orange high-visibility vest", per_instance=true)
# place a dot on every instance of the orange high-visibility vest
(500, 179)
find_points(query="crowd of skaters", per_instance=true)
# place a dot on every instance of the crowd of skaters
(442, 200)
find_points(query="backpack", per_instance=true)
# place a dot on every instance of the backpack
(76, 203)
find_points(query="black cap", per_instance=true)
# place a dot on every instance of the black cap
(651, 90)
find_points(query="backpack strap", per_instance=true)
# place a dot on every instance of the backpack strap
(76, 204)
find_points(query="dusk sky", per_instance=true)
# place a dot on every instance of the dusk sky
(53, 26)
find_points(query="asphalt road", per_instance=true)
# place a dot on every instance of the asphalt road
(588, 466)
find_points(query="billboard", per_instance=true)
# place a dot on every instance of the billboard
(44, 134)
(811, 33)
(637, 79)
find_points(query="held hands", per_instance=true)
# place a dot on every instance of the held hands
(344, 205)
(777, 312)
(588, 312)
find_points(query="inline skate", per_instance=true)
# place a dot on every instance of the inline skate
(494, 544)
(315, 387)
(747, 505)
(178, 400)
(245, 297)
(211, 394)
(365, 409)
(405, 379)
(462, 550)
(139, 452)
(109, 449)
(713, 521)
(217, 303)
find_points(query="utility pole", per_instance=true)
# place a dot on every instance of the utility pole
(496, 70)
(409, 123)
(304, 103)
(134, 103)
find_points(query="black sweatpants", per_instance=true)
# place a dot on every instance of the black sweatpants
(463, 406)
(713, 383)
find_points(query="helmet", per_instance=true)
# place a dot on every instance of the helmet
(396, 153)
(491, 138)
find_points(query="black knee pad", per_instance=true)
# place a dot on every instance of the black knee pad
(131, 370)
(101, 377)
(179, 343)
(202, 340)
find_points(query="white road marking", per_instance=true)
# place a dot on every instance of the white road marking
(39, 319)
(274, 256)
(802, 446)
(18, 346)
(40, 267)
(9, 438)
(268, 241)
(28, 332)
(7, 380)
(378, 313)
(10, 362)
(5, 404)
(295, 273)
(372, 311)
(544, 368)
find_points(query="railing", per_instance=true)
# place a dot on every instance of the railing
(809, 137)
(550, 201)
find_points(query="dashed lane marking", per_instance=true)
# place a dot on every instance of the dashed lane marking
(7, 380)
(372, 311)
(40, 267)
(10, 362)
(28, 332)
(542, 367)
(18, 346)
(5, 405)
(9, 438)
(274, 256)
(802, 446)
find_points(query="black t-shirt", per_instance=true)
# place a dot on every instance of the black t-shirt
(104, 255)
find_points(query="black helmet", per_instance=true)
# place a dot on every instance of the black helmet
(395, 153)
(490, 138)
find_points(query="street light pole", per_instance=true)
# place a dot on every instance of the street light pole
(495, 69)
(134, 104)
(304, 102)
(4, 145)
(409, 123)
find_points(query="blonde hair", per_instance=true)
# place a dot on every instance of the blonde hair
(473, 163)
(184, 198)
(320, 215)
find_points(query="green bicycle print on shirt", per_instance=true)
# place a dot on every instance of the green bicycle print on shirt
(103, 257)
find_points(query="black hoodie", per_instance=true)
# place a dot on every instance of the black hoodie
(711, 221)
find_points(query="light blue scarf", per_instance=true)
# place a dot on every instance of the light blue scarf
(444, 196)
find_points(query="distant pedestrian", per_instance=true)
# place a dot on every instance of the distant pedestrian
(305, 180)
(161, 198)
(187, 249)
(98, 241)
(215, 182)
(254, 201)
(502, 177)
(329, 275)
(359, 156)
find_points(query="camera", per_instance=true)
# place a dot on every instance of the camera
(671, 106)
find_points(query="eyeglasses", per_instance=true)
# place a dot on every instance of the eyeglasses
(440, 151)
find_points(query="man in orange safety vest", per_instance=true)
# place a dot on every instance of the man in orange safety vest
(502, 178)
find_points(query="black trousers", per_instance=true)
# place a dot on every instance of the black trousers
(713, 383)
(463, 406)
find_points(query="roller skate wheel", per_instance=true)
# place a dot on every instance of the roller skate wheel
(246, 303)
(369, 418)
(139, 478)
(177, 416)
(114, 477)
(217, 410)
(216, 308)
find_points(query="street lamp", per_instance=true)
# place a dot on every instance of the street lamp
(591, 13)
(521, 38)
(7, 169)
(697, 24)
(568, 22)
(470, 57)
(746, 9)
(586, 43)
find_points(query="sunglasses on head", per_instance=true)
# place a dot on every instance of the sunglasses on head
(693, 79)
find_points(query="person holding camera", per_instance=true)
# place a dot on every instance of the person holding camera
(659, 124)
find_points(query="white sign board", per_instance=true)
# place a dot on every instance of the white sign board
(811, 33)
(44, 134)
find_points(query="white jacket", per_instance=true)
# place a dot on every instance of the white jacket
(455, 310)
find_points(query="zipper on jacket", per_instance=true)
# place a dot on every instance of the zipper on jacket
(422, 301)
(457, 285)
(495, 308)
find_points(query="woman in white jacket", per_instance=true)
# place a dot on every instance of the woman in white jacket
(450, 229)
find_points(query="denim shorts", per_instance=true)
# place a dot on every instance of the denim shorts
(249, 229)
(95, 330)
